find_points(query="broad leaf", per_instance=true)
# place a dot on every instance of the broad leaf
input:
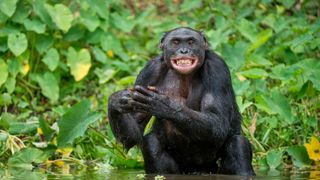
(254, 73)
(8, 7)
(35, 25)
(17, 43)
(51, 59)
(90, 20)
(279, 104)
(274, 158)
(79, 62)
(43, 43)
(49, 86)
(123, 22)
(261, 39)
(22, 127)
(27, 158)
(75, 122)
(10, 84)
(13, 67)
(4, 71)
(311, 71)
(46, 129)
(299, 156)
(188, 5)
(105, 74)
(61, 16)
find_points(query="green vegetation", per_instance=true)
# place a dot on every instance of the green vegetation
(60, 60)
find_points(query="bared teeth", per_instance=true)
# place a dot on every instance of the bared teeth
(184, 62)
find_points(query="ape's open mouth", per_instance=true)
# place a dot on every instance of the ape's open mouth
(184, 64)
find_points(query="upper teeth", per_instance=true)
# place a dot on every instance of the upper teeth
(184, 62)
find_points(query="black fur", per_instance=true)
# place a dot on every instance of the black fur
(197, 118)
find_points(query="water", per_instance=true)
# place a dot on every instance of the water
(107, 173)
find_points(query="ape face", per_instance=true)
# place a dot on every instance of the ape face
(184, 50)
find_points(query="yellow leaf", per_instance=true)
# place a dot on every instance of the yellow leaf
(40, 132)
(25, 68)
(241, 78)
(79, 62)
(110, 53)
(59, 163)
(81, 71)
(313, 149)
(65, 151)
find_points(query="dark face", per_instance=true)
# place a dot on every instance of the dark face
(184, 50)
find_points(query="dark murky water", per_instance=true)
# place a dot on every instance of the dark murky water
(105, 173)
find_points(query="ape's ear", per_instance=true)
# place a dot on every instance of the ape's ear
(162, 40)
(206, 45)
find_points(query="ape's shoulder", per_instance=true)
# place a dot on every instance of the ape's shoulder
(152, 71)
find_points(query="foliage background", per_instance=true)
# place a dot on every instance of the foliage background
(55, 53)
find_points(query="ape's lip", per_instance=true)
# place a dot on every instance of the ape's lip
(184, 64)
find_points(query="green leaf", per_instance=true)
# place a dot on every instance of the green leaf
(46, 129)
(61, 16)
(17, 43)
(123, 22)
(261, 39)
(51, 59)
(42, 12)
(49, 86)
(247, 29)
(254, 73)
(188, 5)
(10, 84)
(13, 67)
(233, 55)
(35, 25)
(149, 126)
(27, 158)
(75, 122)
(8, 7)
(299, 156)
(105, 74)
(22, 12)
(4, 72)
(274, 158)
(90, 20)
(110, 42)
(22, 128)
(279, 104)
(79, 62)
(311, 71)
(101, 7)
(43, 43)
(99, 54)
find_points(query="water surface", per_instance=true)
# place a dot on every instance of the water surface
(107, 173)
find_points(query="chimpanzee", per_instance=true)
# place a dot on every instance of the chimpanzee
(198, 126)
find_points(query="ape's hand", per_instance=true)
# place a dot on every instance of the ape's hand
(151, 101)
(120, 101)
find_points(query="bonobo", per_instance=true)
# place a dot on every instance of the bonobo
(198, 126)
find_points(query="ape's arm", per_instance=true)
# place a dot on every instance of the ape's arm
(126, 122)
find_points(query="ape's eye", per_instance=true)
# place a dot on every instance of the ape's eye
(175, 42)
(191, 42)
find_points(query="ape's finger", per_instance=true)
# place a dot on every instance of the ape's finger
(144, 91)
(125, 108)
(141, 98)
(153, 88)
(124, 100)
(138, 105)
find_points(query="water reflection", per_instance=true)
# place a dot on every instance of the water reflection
(107, 173)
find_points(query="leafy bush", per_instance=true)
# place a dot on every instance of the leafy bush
(55, 53)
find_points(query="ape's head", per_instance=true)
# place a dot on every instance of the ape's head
(184, 49)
